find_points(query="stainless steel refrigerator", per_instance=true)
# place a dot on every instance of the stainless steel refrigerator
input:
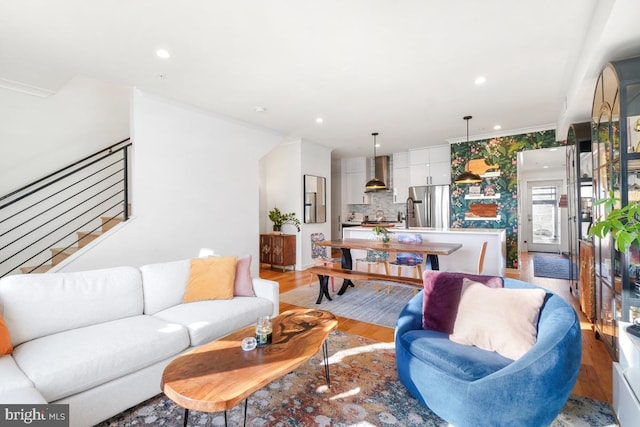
(431, 208)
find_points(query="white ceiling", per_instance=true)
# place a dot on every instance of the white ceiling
(405, 69)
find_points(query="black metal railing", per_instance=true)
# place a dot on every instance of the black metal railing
(56, 212)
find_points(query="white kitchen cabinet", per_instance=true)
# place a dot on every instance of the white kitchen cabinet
(430, 166)
(400, 177)
(355, 178)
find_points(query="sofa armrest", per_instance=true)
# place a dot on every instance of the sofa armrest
(270, 290)
(15, 386)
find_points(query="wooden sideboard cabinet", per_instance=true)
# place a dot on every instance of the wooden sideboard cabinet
(278, 250)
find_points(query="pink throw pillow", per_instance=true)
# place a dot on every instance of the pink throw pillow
(243, 284)
(442, 292)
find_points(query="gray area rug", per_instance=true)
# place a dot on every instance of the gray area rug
(361, 302)
(365, 391)
(555, 268)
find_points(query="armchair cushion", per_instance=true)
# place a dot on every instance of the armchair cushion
(442, 292)
(500, 320)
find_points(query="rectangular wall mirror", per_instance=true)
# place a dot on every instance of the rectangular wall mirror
(315, 199)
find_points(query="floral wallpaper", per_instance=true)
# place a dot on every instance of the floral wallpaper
(501, 152)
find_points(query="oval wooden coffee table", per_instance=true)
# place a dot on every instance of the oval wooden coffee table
(217, 376)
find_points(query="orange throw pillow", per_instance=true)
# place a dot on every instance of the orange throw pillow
(210, 278)
(5, 338)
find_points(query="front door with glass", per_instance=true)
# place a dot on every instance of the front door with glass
(543, 216)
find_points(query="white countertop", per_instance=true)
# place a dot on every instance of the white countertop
(400, 229)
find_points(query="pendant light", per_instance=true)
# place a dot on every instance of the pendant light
(374, 184)
(468, 177)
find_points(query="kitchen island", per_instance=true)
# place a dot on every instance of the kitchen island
(465, 258)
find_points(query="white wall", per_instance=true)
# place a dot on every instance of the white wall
(316, 160)
(195, 184)
(282, 172)
(41, 135)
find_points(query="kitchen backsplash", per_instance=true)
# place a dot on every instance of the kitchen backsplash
(382, 201)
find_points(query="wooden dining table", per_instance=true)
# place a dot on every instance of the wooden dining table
(430, 249)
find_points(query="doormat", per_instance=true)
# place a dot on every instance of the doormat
(555, 268)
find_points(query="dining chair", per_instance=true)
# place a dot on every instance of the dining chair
(375, 259)
(408, 260)
(319, 255)
(479, 267)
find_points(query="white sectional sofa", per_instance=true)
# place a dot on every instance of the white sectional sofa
(99, 340)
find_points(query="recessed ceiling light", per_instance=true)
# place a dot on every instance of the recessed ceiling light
(319, 120)
(497, 127)
(480, 80)
(545, 167)
(163, 54)
(259, 109)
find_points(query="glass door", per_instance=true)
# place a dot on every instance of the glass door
(543, 216)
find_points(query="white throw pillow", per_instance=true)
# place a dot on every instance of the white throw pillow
(498, 319)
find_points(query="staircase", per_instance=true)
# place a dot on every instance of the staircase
(52, 218)
(83, 239)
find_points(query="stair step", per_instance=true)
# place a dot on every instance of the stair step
(59, 255)
(42, 269)
(109, 222)
(84, 237)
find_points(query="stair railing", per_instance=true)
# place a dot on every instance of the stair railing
(63, 208)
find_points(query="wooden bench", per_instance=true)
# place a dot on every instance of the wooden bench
(324, 273)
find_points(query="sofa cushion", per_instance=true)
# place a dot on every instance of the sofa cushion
(164, 284)
(66, 301)
(500, 320)
(442, 295)
(460, 361)
(69, 362)
(212, 319)
(210, 278)
(243, 282)
(5, 338)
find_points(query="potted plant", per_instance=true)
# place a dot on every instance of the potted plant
(279, 219)
(623, 223)
(381, 233)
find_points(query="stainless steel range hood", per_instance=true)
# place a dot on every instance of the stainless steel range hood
(382, 171)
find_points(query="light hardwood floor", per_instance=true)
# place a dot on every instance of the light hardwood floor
(594, 380)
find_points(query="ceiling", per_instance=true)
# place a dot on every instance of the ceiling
(403, 69)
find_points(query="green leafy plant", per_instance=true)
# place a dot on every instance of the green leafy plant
(279, 219)
(381, 231)
(623, 223)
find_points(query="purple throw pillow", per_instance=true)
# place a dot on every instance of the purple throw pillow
(442, 292)
(243, 283)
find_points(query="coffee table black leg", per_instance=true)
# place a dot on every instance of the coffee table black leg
(325, 355)
(186, 417)
(225, 419)
(246, 403)
(324, 288)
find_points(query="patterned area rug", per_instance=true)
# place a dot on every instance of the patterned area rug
(555, 268)
(365, 391)
(361, 303)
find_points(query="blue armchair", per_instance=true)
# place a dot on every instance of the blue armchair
(468, 386)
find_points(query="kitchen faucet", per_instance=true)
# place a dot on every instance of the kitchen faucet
(413, 206)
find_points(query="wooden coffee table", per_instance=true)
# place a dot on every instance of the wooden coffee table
(219, 375)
